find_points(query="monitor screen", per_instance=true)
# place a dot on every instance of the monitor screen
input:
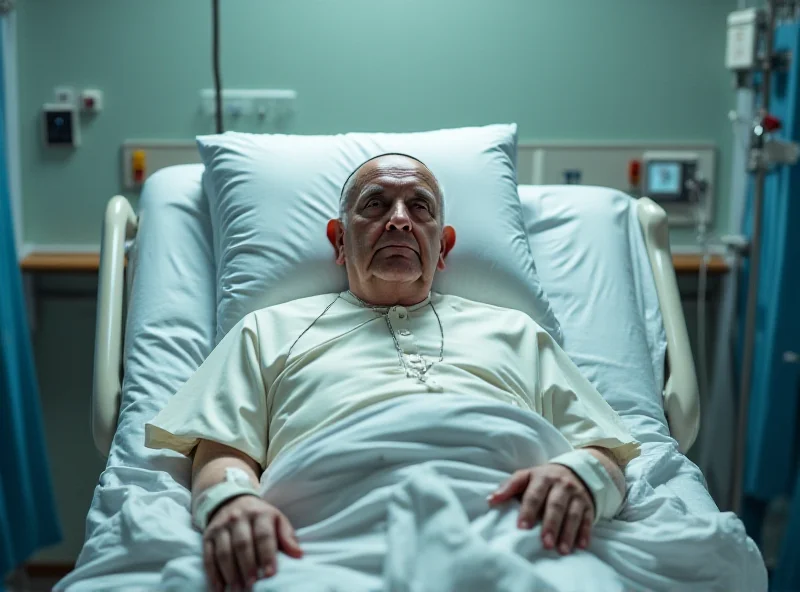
(665, 178)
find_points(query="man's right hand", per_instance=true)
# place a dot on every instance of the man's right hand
(243, 537)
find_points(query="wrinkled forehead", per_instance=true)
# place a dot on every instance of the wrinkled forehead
(392, 167)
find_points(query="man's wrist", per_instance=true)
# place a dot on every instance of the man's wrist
(206, 504)
(221, 505)
(605, 494)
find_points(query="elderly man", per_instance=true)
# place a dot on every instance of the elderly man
(289, 371)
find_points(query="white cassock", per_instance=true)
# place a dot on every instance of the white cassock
(285, 372)
(383, 468)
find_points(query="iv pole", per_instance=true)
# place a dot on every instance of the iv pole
(759, 165)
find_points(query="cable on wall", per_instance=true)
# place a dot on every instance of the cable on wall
(220, 128)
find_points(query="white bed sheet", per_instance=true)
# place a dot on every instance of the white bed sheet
(411, 476)
(593, 264)
(143, 493)
(169, 332)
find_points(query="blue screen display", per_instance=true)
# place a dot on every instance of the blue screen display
(665, 178)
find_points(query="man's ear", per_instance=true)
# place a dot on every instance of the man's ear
(447, 244)
(335, 233)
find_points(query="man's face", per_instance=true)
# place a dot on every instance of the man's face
(393, 233)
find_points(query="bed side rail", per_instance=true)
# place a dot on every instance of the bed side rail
(681, 392)
(119, 225)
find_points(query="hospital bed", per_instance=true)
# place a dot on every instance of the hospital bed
(603, 259)
(680, 394)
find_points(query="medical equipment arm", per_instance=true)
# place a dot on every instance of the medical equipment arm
(119, 225)
(681, 393)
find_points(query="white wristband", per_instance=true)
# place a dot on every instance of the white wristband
(607, 498)
(236, 483)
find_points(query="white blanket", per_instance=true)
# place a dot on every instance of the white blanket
(393, 498)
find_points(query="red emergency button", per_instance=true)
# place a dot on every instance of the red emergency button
(634, 173)
(771, 123)
(138, 166)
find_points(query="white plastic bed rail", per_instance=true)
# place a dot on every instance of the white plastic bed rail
(119, 225)
(681, 393)
(681, 397)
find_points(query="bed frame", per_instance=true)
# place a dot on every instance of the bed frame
(681, 396)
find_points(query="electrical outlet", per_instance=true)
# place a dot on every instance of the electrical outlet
(267, 104)
(64, 95)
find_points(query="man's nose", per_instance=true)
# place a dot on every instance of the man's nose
(399, 218)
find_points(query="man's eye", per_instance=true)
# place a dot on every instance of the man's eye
(373, 203)
(422, 205)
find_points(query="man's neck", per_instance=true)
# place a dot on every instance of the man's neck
(391, 294)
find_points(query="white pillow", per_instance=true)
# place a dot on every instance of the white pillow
(271, 197)
(598, 277)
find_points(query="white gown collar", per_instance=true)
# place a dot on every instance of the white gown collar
(354, 300)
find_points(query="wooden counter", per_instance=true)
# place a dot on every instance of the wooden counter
(90, 262)
(687, 263)
(61, 262)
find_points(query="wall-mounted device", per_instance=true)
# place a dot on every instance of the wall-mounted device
(142, 158)
(274, 106)
(671, 176)
(741, 50)
(60, 125)
(91, 101)
(61, 118)
(681, 175)
(678, 182)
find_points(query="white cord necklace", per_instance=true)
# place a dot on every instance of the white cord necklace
(419, 365)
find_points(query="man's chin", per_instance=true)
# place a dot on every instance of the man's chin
(397, 274)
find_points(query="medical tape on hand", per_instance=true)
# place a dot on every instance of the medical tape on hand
(607, 497)
(236, 483)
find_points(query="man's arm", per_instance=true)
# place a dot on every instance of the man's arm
(572, 489)
(210, 461)
(556, 495)
(244, 533)
(610, 465)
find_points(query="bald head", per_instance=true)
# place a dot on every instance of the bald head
(393, 165)
(390, 234)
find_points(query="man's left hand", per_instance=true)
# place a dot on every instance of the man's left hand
(556, 495)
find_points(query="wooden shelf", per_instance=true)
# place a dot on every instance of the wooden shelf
(61, 262)
(90, 262)
(691, 264)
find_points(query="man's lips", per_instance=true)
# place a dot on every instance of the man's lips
(409, 247)
(399, 251)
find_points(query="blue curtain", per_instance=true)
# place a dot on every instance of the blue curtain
(28, 519)
(773, 430)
